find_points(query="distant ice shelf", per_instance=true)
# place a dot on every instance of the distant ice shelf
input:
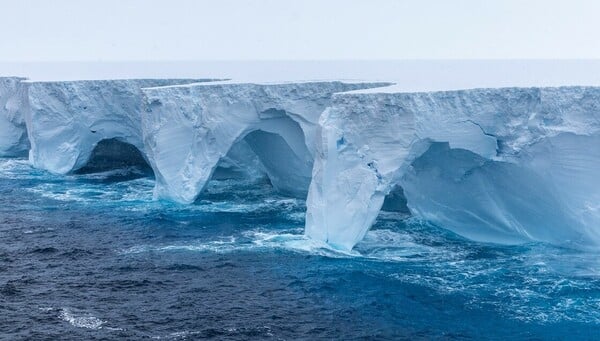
(503, 165)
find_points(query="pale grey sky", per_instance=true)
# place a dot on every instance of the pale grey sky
(112, 30)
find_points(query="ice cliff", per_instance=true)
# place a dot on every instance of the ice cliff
(504, 165)
(189, 129)
(496, 165)
(67, 119)
(13, 135)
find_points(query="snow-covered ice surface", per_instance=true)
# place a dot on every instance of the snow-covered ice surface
(410, 75)
(496, 165)
(13, 135)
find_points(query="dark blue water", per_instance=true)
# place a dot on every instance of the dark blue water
(93, 257)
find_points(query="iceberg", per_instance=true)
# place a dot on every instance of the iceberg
(189, 129)
(67, 119)
(13, 134)
(502, 165)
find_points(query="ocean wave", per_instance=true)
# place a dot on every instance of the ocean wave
(18, 169)
(379, 245)
(79, 320)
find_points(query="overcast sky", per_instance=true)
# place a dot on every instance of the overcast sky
(113, 30)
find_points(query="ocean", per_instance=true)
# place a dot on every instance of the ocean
(92, 256)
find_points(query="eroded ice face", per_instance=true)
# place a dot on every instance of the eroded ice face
(13, 135)
(497, 165)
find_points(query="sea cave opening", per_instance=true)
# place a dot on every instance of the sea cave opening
(121, 161)
(396, 201)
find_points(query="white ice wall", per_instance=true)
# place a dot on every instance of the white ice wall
(13, 134)
(372, 141)
(189, 129)
(498, 165)
(65, 120)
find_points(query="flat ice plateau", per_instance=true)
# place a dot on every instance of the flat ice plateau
(491, 163)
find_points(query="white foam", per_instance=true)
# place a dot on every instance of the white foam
(16, 169)
(73, 191)
(379, 245)
(81, 321)
(227, 244)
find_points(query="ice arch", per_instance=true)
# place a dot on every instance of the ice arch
(277, 141)
(189, 128)
(67, 119)
(374, 140)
